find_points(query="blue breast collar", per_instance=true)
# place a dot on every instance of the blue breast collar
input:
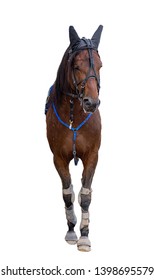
(74, 129)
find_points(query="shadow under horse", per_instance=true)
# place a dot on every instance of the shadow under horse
(74, 125)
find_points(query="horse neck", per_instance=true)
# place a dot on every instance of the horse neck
(64, 110)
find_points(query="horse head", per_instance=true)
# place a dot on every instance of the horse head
(85, 66)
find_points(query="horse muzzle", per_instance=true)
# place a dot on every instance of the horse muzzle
(90, 105)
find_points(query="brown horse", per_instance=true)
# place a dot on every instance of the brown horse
(74, 125)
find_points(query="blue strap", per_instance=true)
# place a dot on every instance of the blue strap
(74, 129)
(81, 124)
(58, 117)
(65, 124)
(74, 135)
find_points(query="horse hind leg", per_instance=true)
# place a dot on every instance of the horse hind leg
(68, 197)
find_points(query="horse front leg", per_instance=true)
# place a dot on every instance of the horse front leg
(89, 164)
(68, 197)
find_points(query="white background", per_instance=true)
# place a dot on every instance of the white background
(33, 38)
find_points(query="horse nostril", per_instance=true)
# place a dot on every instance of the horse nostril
(87, 101)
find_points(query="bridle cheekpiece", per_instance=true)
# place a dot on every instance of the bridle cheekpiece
(82, 45)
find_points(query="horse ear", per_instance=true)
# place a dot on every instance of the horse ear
(96, 37)
(74, 38)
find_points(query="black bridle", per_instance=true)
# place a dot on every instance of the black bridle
(79, 93)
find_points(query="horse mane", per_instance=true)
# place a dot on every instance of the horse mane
(62, 84)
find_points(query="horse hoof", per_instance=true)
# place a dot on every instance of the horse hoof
(71, 237)
(84, 244)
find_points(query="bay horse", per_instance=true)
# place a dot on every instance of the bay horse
(74, 125)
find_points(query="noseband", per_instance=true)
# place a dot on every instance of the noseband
(79, 93)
